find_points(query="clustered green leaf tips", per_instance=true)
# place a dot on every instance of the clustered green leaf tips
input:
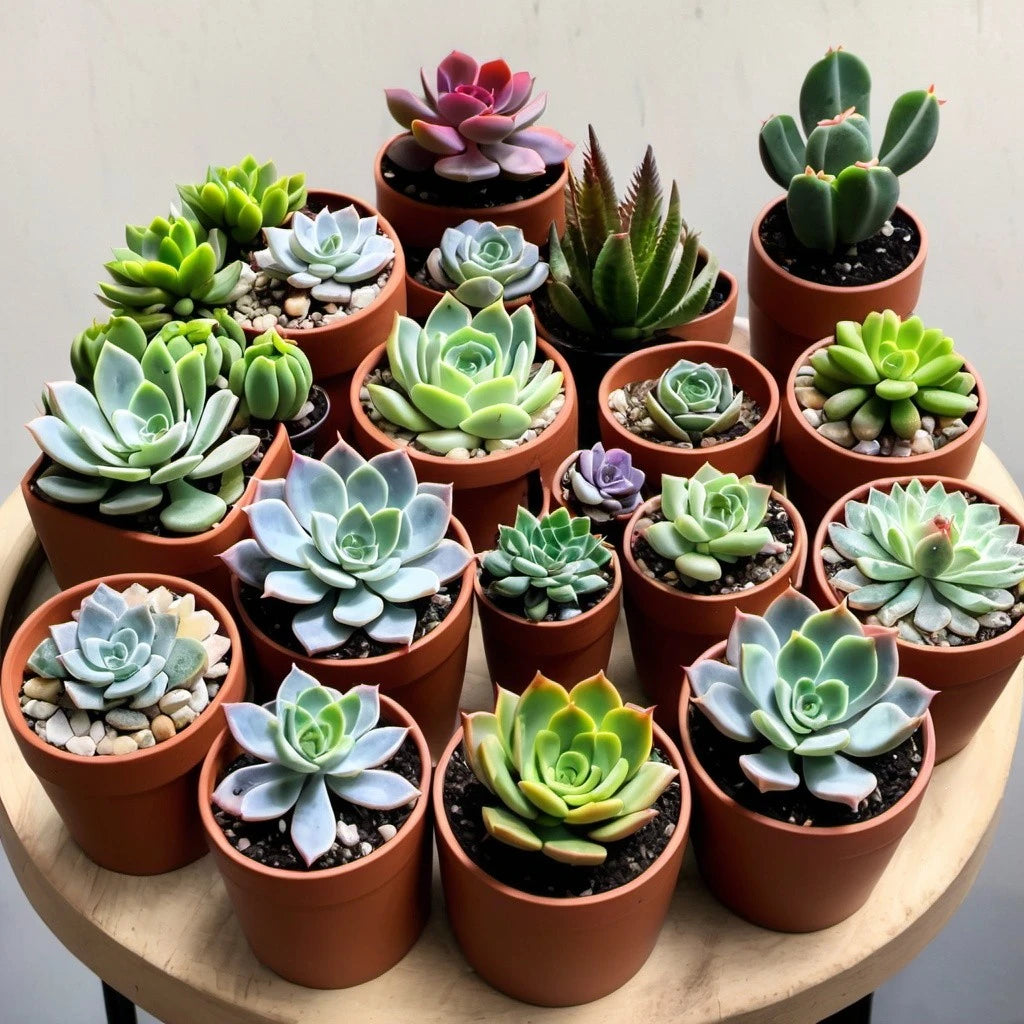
(572, 770)
(465, 380)
(622, 270)
(694, 400)
(549, 561)
(820, 687)
(927, 558)
(272, 379)
(837, 192)
(886, 373)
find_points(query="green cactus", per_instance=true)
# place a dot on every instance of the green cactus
(272, 379)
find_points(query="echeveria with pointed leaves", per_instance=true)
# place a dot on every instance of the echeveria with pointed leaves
(465, 380)
(312, 739)
(572, 769)
(118, 653)
(327, 254)
(820, 687)
(138, 439)
(551, 560)
(605, 483)
(711, 518)
(694, 400)
(927, 557)
(353, 544)
(272, 379)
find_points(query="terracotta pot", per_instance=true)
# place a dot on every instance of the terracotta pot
(611, 529)
(339, 926)
(668, 628)
(969, 678)
(420, 225)
(550, 951)
(589, 365)
(788, 313)
(746, 454)
(425, 678)
(791, 878)
(517, 649)
(334, 351)
(133, 813)
(421, 299)
(487, 490)
(81, 547)
(818, 471)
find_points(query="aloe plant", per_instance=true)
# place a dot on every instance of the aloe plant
(272, 379)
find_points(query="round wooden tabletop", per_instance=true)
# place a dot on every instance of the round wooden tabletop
(171, 944)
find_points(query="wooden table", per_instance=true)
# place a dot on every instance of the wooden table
(171, 944)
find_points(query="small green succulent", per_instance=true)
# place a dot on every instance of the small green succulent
(886, 373)
(272, 379)
(820, 687)
(245, 198)
(620, 271)
(123, 331)
(694, 400)
(220, 338)
(572, 770)
(711, 518)
(465, 381)
(553, 560)
(928, 557)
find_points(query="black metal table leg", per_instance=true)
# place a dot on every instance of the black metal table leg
(119, 1009)
(856, 1013)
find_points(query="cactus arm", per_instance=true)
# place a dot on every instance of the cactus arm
(865, 200)
(911, 130)
(837, 143)
(811, 205)
(835, 83)
(782, 149)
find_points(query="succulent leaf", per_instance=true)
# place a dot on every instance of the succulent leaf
(694, 400)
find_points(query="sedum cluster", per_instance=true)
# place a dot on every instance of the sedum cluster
(694, 400)
(272, 379)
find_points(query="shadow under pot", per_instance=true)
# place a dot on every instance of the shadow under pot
(790, 877)
(84, 546)
(589, 360)
(131, 812)
(744, 447)
(334, 350)
(425, 677)
(517, 648)
(555, 951)
(789, 312)
(332, 927)
(486, 490)
(969, 677)
(819, 471)
(669, 626)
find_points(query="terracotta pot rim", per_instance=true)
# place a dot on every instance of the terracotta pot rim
(814, 831)
(377, 358)
(798, 555)
(814, 286)
(379, 660)
(555, 492)
(395, 713)
(836, 514)
(883, 463)
(44, 613)
(445, 835)
(671, 354)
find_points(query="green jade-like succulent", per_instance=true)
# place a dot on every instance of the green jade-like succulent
(694, 400)
(572, 769)
(272, 379)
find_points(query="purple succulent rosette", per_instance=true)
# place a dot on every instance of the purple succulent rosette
(605, 483)
(476, 123)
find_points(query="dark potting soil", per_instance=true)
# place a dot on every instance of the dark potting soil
(878, 258)
(265, 429)
(269, 842)
(719, 756)
(464, 800)
(274, 619)
(556, 612)
(742, 574)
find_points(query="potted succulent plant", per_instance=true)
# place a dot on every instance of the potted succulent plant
(315, 810)
(624, 276)
(112, 689)
(674, 406)
(470, 149)
(809, 757)
(706, 547)
(473, 403)
(357, 573)
(548, 598)
(603, 485)
(876, 394)
(561, 816)
(837, 245)
(940, 561)
(479, 263)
